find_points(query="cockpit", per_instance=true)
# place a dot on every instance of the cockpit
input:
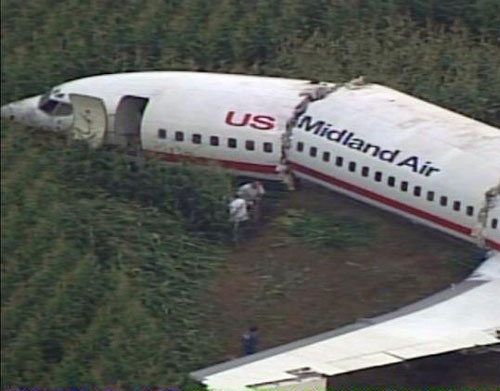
(50, 111)
(55, 107)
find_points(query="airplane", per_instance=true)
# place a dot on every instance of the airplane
(370, 142)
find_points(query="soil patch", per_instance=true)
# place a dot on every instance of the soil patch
(292, 290)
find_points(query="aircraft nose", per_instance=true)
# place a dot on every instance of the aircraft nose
(22, 111)
(6, 112)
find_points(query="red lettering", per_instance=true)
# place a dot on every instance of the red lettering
(263, 122)
(229, 119)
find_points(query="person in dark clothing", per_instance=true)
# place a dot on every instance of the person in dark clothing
(250, 341)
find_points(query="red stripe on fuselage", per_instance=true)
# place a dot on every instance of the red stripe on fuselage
(390, 202)
(493, 245)
(271, 169)
(380, 198)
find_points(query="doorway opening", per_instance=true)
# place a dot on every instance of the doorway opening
(128, 121)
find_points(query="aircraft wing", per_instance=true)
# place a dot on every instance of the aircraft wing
(464, 316)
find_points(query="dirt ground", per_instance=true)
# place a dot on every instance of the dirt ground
(290, 290)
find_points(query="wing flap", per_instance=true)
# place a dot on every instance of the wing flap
(447, 345)
(461, 317)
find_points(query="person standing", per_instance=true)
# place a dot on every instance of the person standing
(250, 341)
(252, 193)
(238, 213)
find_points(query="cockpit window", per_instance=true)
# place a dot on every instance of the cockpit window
(43, 99)
(52, 106)
(55, 108)
(48, 106)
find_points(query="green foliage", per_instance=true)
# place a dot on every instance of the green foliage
(103, 266)
(445, 52)
(198, 197)
(325, 230)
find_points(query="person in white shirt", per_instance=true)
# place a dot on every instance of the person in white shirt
(238, 213)
(238, 210)
(252, 193)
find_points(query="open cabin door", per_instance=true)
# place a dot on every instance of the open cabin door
(90, 119)
(128, 122)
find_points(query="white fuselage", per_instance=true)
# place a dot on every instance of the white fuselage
(372, 143)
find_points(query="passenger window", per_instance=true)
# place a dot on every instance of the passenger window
(391, 181)
(231, 143)
(179, 136)
(339, 161)
(417, 190)
(378, 176)
(443, 201)
(456, 205)
(326, 156)
(430, 196)
(470, 211)
(196, 138)
(404, 186)
(365, 171)
(250, 145)
(268, 147)
(494, 223)
(352, 166)
(313, 151)
(162, 133)
(300, 146)
(214, 141)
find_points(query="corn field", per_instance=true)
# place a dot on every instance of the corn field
(103, 269)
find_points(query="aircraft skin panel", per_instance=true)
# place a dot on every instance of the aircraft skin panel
(448, 159)
(231, 112)
(409, 114)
